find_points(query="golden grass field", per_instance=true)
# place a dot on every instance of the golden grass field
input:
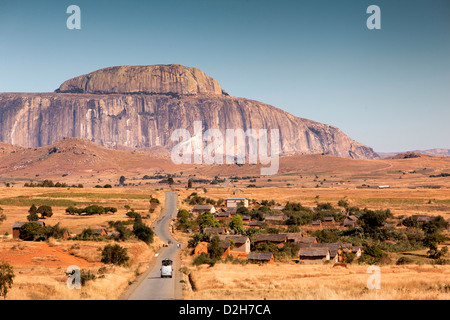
(283, 281)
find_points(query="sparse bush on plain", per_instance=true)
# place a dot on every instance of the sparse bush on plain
(114, 254)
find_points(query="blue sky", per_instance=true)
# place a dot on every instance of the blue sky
(388, 88)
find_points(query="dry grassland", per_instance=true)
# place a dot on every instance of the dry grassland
(317, 282)
(399, 201)
(40, 267)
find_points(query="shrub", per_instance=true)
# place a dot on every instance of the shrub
(132, 214)
(55, 231)
(372, 255)
(404, 260)
(86, 234)
(86, 276)
(203, 258)
(32, 231)
(143, 232)
(114, 254)
(6, 278)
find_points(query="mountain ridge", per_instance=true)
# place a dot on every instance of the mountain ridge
(119, 114)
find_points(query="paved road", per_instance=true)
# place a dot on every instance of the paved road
(151, 286)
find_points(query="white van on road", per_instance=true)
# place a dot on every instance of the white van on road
(166, 268)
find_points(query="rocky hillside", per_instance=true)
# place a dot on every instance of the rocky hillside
(140, 107)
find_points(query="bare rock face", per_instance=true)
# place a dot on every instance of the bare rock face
(175, 79)
(140, 107)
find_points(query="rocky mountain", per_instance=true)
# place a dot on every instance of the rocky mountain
(140, 107)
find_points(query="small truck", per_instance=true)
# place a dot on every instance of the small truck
(166, 268)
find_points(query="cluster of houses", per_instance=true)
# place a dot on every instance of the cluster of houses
(310, 251)
(278, 217)
(239, 246)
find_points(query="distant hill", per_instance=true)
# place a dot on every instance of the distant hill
(75, 160)
(430, 152)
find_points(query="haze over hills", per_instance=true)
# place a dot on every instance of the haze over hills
(140, 107)
(431, 152)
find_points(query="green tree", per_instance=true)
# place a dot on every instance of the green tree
(94, 209)
(6, 278)
(215, 250)
(371, 221)
(207, 220)
(33, 216)
(410, 222)
(143, 232)
(45, 211)
(122, 180)
(189, 183)
(32, 231)
(237, 223)
(114, 254)
(343, 203)
(124, 232)
(73, 210)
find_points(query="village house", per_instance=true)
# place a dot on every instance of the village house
(99, 232)
(278, 208)
(334, 248)
(222, 215)
(278, 239)
(316, 223)
(113, 234)
(231, 211)
(202, 208)
(313, 255)
(18, 224)
(236, 202)
(261, 257)
(293, 237)
(201, 247)
(226, 245)
(328, 220)
(255, 224)
(274, 219)
(421, 218)
(215, 230)
(349, 223)
(307, 240)
(241, 244)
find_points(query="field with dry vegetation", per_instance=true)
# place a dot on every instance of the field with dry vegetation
(282, 281)
(40, 267)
